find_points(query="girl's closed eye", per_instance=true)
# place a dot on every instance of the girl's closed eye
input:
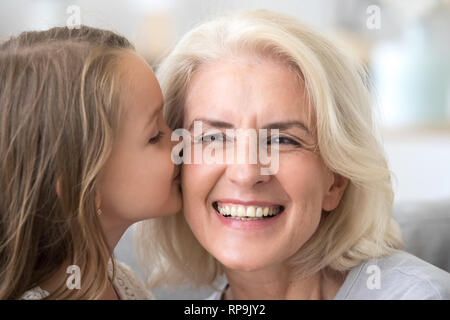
(156, 138)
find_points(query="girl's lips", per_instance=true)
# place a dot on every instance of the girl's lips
(177, 175)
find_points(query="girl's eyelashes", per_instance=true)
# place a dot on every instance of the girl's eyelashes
(156, 138)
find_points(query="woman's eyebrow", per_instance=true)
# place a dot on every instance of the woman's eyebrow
(274, 125)
(212, 123)
(287, 125)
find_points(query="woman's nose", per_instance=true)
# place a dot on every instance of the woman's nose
(246, 175)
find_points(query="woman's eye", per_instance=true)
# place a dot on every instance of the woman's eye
(283, 140)
(213, 137)
(156, 138)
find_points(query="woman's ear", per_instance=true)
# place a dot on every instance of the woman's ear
(334, 193)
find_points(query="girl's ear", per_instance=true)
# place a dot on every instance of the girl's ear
(334, 194)
(98, 201)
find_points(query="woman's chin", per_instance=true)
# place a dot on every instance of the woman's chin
(244, 265)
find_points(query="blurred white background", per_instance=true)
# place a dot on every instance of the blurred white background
(404, 44)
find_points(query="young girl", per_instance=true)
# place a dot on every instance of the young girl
(84, 153)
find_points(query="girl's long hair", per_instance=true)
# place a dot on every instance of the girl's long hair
(59, 108)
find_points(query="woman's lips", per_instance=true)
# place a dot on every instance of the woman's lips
(247, 214)
(247, 203)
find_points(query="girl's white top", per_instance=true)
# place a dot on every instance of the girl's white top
(125, 282)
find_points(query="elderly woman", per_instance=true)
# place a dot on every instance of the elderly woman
(319, 226)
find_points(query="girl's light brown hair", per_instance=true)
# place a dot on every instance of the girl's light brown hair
(59, 108)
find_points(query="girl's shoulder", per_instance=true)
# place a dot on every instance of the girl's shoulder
(127, 284)
(36, 293)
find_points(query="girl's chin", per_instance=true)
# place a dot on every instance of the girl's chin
(170, 209)
(175, 202)
(175, 208)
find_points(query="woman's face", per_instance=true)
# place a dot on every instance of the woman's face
(253, 95)
(139, 179)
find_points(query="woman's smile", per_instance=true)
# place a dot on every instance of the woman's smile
(246, 215)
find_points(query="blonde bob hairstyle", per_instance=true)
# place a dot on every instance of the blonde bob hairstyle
(361, 227)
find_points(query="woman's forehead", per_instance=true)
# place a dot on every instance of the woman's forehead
(235, 91)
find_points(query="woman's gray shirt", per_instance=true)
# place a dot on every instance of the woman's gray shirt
(399, 276)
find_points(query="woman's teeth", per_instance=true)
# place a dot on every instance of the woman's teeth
(247, 212)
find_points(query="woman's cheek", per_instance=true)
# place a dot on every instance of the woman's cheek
(299, 168)
(198, 178)
(197, 181)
